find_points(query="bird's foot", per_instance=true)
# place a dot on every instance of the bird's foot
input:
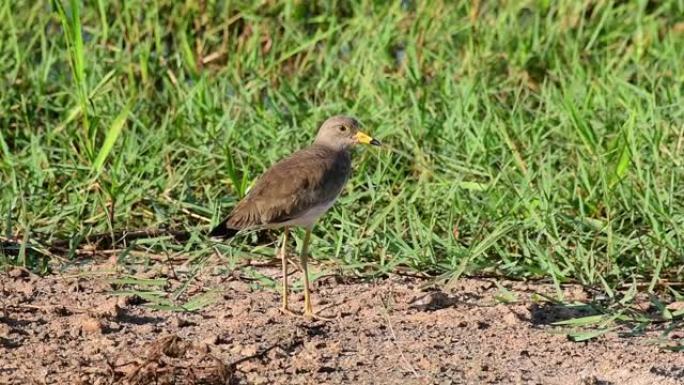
(306, 315)
(289, 312)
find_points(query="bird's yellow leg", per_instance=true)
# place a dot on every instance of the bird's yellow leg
(283, 257)
(308, 309)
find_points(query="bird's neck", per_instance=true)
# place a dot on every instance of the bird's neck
(327, 146)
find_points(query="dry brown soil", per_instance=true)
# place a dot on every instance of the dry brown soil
(69, 329)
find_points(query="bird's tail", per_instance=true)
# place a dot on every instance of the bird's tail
(223, 231)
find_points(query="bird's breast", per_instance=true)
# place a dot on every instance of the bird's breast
(310, 216)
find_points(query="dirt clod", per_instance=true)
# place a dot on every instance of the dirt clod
(18, 272)
(90, 325)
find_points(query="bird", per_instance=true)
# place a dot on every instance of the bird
(296, 191)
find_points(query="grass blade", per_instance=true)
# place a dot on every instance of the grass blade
(588, 335)
(112, 134)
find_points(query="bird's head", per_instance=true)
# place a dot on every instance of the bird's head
(342, 133)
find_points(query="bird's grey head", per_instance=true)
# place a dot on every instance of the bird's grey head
(342, 133)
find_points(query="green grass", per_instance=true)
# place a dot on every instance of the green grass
(528, 139)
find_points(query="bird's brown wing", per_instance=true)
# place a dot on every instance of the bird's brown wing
(289, 188)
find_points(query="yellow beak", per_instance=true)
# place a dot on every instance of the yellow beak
(366, 139)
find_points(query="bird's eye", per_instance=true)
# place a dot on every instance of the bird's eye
(343, 128)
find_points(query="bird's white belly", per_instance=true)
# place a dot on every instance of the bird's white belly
(310, 216)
